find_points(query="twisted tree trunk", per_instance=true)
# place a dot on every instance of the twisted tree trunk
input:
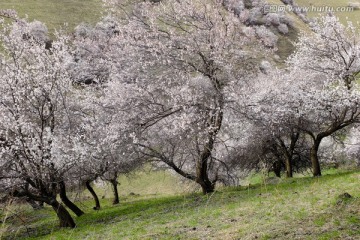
(314, 159)
(67, 201)
(202, 177)
(114, 184)
(63, 215)
(35, 205)
(49, 198)
(93, 193)
(277, 165)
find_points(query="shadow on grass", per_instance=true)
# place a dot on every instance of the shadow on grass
(143, 209)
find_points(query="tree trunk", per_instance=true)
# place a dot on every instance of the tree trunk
(277, 168)
(63, 215)
(288, 166)
(288, 153)
(314, 158)
(202, 177)
(114, 184)
(207, 187)
(34, 204)
(67, 201)
(93, 193)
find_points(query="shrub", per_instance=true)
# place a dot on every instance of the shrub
(283, 28)
(38, 31)
(237, 6)
(267, 37)
(256, 17)
(286, 20)
(265, 66)
(272, 19)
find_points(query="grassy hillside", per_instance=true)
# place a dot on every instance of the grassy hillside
(55, 13)
(69, 13)
(301, 208)
(353, 16)
(146, 183)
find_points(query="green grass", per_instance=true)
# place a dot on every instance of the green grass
(353, 16)
(145, 183)
(57, 13)
(285, 46)
(299, 208)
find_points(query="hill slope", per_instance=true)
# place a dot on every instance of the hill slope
(344, 15)
(302, 208)
(57, 13)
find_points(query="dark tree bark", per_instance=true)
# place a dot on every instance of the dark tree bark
(288, 152)
(277, 150)
(93, 193)
(314, 158)
(288, 167)
(67, 201)
(202, 177)
(207, 187)
(114, 184)
(63, 215)
(35, 205)
(277, 168)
